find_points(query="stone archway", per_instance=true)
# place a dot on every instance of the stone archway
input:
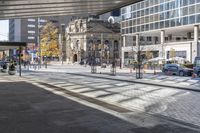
(75, 58)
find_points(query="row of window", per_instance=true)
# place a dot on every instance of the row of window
(158, 5)
(163, 24)
(170, 13)
(156, 17)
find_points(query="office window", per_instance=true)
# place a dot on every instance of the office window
(147, 27)
(184, 11)
(162, 16)
(151, 10)
(31, 32)
(162, 7)
(31, 20)
(166, 6)
(151, 18)
(192, 19)
(198, 18)
(191, 1)
(31, 37)
(138, 13)
(138, 6)
(185, 20)
(198, 8)
(143, 28)
(147, 11)
(142, 20)
(133, 7)
(185, 2)
(178, 22)
(134, 22)
(138, 28)
(138, 21)
(167, 24)
(134, 29)
(167, 15)
(162, 24)
(31, 25)
(157, 26)
(198, 1)
(156, 9)
(192, 9)
(142, 12)
(147, 19)
(134, 14)
(151, 26)
(173, 22)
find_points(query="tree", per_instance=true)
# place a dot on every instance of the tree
(49, 41)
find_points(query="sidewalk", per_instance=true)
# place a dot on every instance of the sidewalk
(186, 83)
(32, 107)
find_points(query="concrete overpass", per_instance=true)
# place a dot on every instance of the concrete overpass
(38, 8)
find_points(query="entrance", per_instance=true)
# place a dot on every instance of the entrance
(75, 58)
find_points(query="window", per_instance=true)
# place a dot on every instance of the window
(198, 18)
(185, 20)
(192, 19)
(31, 32)
(173, 23)
(184, 11)
(191, 9)
(162, 24)
(31, 25)
(191, 1)
(167, 24)
(31, 20)
(31, 37)
(178, 22)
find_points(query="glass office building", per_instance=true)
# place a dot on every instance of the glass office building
(162, 22)
(158, 14)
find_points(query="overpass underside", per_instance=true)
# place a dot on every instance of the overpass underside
(38, 8)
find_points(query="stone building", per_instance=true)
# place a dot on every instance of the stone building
(92, 38)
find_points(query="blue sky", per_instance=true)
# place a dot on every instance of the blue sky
(4, 29)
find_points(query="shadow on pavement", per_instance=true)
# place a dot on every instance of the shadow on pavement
(26, 108)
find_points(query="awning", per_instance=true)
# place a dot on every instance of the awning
(11, 45)
(39, 8)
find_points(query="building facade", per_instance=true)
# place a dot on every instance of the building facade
(28, 30)
(161, 25)
(92, 38)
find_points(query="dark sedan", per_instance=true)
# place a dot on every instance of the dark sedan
(175, 69)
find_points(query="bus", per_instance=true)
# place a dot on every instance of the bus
(197, 66)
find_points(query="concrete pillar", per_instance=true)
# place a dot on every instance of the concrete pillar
(137, 41)
(122, 51)
(195, 44)
(162, 41)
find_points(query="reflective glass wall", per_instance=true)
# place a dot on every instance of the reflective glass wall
(157, 14)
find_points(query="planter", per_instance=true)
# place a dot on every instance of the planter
(11, 72)
(3, 70)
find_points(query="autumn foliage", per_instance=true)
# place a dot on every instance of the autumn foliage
(49, 41)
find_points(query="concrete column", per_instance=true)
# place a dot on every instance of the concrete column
(196, 33)
(124, 41)
(122, 51)
(137, 41)
(162, 41)
(195, 44)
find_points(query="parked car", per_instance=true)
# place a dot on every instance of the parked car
(176, 69)
(197, 66)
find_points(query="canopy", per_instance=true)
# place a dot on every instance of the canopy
(39, 8)
(11, 45)
(156, 59)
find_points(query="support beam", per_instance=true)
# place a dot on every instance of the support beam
(162, 41)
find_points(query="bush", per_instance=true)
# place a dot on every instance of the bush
(189, 65)
(12, 67)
